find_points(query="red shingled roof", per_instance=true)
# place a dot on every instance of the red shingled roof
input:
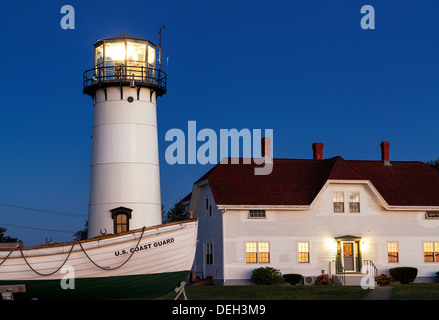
(298, 181)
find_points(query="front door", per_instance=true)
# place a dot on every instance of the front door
(348, 254)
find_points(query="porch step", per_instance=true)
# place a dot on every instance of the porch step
(351, 280)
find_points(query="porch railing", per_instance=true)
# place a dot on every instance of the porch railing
(371, 269)
(339, 271)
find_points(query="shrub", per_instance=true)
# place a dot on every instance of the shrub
(293, 278)
(267, 275)
(383, 279)
(404, 275)
(323, 279)
(437, 276)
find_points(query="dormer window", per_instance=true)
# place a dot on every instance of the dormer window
(352, 200)
(338, 201)
(121, 217)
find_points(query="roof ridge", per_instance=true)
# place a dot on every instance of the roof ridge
(347, 163)
(395, 161)
(337, 165)
(316, 183)
(334, 165)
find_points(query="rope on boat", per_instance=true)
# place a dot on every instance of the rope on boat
(71, 249)
(50, 273)
(108, 268)
(10, 252)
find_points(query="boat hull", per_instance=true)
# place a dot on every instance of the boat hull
(140, 264)
(133, 287)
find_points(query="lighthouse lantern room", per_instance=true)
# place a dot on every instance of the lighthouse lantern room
(124, 176)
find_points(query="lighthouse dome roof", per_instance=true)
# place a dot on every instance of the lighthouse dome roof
(123, 36)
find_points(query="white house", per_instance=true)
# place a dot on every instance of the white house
(317, 215)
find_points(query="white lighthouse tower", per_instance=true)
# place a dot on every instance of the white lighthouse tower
(124, 179)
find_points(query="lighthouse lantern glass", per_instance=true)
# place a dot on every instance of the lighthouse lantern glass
(151, 56)
(125, 59)
(115, 51)
(99, 61)
(115, 60)
(136, 52)
(99, 55)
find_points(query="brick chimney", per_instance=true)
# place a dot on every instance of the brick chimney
(385, 152)
(317, 150)
(266, 147)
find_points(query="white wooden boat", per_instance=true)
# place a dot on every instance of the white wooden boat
(139, 264)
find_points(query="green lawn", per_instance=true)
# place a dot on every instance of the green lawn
(415, 291)
(287, 292)
(283, 292)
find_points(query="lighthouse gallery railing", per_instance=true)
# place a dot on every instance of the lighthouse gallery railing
(140, 75)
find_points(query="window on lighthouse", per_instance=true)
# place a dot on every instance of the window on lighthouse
(121, 218)
(121, 223)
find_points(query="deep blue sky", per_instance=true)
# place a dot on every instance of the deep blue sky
(303, 68)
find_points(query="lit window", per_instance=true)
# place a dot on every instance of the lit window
(431, 251)
(251, 252)
(256, 214)
(264, 252)
(209, 253)
(392, 252)
(303, 252)
(354, 202)
(257, 252)
(338, 200)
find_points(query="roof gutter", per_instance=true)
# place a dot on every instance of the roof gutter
(263, 207)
